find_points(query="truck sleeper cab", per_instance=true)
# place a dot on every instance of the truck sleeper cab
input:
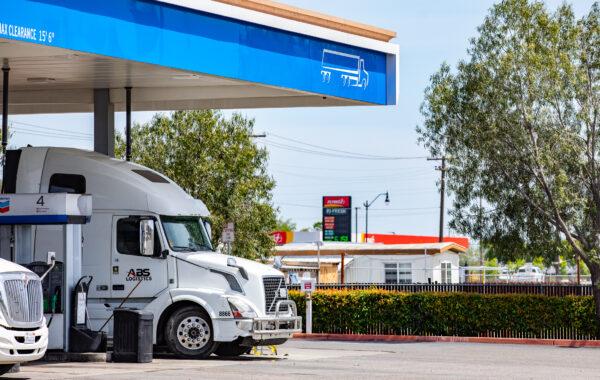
(147, 237)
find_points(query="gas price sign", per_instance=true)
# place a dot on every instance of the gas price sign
(337, 218)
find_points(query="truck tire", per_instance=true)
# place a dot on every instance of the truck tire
(190, 334)
(4, 368)
(232, 349)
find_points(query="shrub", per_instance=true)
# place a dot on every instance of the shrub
(454, 314)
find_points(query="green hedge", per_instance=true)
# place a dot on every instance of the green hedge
(453, 314)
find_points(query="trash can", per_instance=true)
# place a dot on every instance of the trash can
(132, 336)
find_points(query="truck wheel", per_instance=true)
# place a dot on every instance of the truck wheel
(4, 368)
(190, 334)
(232, 349)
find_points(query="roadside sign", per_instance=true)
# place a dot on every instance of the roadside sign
(337, 218)
(228, 235)
(308, 285)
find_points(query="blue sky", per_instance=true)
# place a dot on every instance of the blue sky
(429, 33)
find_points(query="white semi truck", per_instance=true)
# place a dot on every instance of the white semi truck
(23, 331)
(147, 242)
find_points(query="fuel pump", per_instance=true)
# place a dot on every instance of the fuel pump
(64, 287)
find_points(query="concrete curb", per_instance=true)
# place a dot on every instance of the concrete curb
(454, 339)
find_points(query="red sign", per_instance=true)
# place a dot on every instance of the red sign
(336, 202)
(282, 237)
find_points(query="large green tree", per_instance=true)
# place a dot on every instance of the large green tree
(519, 121)
(214, 159)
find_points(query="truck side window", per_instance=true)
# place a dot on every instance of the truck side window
(67, 183)
(128, 237)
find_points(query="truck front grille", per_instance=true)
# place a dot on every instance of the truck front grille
(272, 295)
(24, 300)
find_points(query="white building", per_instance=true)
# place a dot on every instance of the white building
(372, 263)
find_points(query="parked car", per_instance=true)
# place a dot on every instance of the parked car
(528, 273)
(504, 274)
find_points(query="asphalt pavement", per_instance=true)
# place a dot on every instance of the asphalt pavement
(299, 359)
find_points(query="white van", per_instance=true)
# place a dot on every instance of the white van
(528, 273)
(147, 239)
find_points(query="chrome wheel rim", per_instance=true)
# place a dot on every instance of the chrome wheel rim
(193, 332)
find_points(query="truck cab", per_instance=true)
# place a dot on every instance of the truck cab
(147, 245)
(23, 332)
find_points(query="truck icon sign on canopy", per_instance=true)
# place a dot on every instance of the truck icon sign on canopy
(350, 68)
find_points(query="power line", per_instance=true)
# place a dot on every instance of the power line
(404, 209)
(52, 129)
(375, 209)
(358, 179)
(334, 154)
(56, 135)
(354, 170)
(327, 148)
(403, 214)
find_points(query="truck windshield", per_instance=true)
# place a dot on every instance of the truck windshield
(186, 233)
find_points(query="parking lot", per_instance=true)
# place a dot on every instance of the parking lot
(337, 360)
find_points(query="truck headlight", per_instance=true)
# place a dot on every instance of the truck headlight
(240, 309)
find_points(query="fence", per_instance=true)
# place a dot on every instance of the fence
(557, 290)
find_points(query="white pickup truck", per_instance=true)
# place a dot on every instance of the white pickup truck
(23, 332)
(147, 239)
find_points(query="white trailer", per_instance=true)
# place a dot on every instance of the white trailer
(349, 67)
(23, 332)
(147, 239)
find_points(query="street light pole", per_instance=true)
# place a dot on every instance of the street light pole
(368, 204)
(442, 168)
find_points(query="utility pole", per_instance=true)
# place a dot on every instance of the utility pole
(442, 168)
(356, 223)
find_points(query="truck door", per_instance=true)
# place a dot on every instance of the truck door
(128, 266)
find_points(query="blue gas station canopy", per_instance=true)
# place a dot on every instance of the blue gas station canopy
(184, 56)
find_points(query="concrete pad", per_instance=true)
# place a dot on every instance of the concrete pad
(350, 360)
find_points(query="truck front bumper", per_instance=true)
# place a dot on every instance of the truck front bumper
(278, 326)
(13, 348)
(258, 331)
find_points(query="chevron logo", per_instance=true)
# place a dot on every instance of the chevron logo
(4, 205)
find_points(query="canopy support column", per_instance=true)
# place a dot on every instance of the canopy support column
(5, 72)
(128, 123)
(104, 123)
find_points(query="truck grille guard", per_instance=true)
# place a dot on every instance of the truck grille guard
(271, 326)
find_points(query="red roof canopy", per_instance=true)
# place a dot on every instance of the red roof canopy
(414, 239)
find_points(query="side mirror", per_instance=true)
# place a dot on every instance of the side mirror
(208, 228)
(146, 237)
